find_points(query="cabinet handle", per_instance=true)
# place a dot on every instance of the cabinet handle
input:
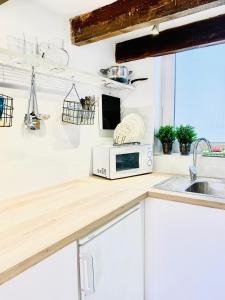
(87, 274)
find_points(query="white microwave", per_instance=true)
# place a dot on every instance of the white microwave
(122, 161)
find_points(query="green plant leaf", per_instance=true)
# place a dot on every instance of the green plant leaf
(166, 134)
(185, 134)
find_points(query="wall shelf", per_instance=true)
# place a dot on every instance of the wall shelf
(15, 70)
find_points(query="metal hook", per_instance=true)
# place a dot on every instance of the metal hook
(73, 79)
(70, 91)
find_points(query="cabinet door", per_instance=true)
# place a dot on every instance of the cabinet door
(185, 251)
(55, 278)
(112, 263)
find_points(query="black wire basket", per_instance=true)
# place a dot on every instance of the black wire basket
(6, 111)
(78, 113)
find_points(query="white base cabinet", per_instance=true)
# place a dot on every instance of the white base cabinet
(185, 251)
(184, 259)
(112, 259)
(55, 278)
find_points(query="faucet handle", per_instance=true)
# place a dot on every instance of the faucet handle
(193, 173)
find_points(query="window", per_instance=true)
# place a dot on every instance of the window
(200, 91)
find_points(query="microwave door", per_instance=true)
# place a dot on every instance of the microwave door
(124, 164)
(127, 161)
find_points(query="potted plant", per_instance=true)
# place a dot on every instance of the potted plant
(167, 136)
(185, 135)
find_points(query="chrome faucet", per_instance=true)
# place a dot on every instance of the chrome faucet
(193, 168)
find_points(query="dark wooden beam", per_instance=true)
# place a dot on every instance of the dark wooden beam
(202, 33)
(127, 15)
(3, 1)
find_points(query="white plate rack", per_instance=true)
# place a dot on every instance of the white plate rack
(17, 75)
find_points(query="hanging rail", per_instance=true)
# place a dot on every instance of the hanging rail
(17, 75)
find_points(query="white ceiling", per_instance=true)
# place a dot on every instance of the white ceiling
(72, 8)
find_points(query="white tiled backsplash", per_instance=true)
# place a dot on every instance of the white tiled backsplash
(178, 164)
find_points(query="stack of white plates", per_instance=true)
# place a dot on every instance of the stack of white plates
(130, 130)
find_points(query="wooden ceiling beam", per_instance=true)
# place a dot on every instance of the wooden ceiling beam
(3, 1)
(202, 33)
(127, 15)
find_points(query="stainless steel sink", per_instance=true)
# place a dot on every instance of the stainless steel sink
(200, 187)
(204, 186)
(208, 188)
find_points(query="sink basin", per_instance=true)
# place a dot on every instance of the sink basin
(200, 187)
(204, 186)
(208, 188)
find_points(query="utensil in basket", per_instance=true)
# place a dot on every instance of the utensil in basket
(1, 106)
(6, 111)
(79, 111)
(88, 102)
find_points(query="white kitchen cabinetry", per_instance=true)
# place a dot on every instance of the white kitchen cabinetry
(185, 251)
(55, 278)
(112, 260)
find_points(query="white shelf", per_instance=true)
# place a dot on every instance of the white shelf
(15, 63)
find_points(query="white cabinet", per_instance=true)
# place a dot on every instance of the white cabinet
(185, 251)
(55, 278)
(112, 260)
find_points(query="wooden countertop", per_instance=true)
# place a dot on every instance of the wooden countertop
(36, 225)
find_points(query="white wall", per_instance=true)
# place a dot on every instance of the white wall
(23, 16)
(59, 152)
(178, 164)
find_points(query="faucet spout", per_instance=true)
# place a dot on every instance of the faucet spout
(193, 168)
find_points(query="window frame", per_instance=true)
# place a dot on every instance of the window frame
(168, 82)
(168, 88)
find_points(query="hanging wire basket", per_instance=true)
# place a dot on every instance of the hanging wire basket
(6, 111)
(81, 112)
